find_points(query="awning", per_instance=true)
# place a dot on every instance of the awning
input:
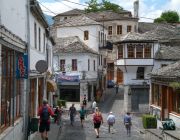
(51, 86)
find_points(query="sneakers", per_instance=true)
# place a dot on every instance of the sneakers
(97, 136)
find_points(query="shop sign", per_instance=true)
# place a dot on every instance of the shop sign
(22, 66)
(67, 78)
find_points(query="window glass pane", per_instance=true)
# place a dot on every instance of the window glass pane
(130, 51)
(62, 65)
(74, 64)
(110, 30)
(140, 73)
(147, 51)
(120, 51)
(119, 29)
(139, 51)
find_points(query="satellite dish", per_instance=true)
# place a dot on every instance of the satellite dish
(41, 66)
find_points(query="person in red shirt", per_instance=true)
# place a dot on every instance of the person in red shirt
(45, 112)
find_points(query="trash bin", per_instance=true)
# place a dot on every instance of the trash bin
(34, 124)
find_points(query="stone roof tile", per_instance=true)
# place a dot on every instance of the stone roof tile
(170, 71)
(78, 21)
(71, 45)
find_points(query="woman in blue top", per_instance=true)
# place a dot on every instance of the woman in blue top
(82, 113)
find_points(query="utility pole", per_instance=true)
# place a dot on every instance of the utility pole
(26, 113)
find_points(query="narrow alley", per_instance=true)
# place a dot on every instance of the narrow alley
(112, 102)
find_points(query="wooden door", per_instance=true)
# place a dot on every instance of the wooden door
(119, 76)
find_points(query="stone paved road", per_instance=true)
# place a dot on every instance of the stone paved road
(111, 102)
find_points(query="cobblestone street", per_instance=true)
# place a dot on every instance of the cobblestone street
(112, 102)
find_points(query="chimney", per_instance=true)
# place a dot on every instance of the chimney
(136, 9)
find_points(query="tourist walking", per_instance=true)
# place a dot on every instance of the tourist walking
(57, 114)
(72, 114)
(94, 106)
(82, 113)
(97, 119)
(45, 112)
(128, 123)
(85, 101)
(110, 121)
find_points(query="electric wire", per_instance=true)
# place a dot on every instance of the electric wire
(66, 20)
(87, 6)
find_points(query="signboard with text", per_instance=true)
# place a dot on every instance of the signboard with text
(67, 78)
(22, 66)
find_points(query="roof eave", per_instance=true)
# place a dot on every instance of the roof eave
(37, 12)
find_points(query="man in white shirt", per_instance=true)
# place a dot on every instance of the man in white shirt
(93, 106)
(111, 121)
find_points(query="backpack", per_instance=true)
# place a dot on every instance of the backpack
(97, 118)
(82, 113)
(84, 102)
(45, 114)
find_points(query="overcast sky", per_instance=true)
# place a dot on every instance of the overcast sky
(147, 8)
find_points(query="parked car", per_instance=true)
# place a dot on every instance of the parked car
(110, 83)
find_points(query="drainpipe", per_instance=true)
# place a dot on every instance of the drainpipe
(26, 111)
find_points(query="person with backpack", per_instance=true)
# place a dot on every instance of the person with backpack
(72, 113)
(110, 121)
(128, 123)
(97, 119)
(45, 112)
(82, 113)
(57, 114)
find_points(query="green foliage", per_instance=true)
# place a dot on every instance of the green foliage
(159, 20)
(61, 103)
(169, 17)
(175, 85)
(107, 5)
(94, 6)
(149, 121)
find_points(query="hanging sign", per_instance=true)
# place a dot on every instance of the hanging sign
(67, 78)
(22, 66)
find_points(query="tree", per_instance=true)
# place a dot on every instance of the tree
(94, 6)
(168, 16)
(106, 5)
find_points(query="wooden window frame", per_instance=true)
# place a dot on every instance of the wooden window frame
(147, 51)
(120, 52)
(139, 51)
(9, 85)
(62, 64)
(44, 43)
(39, 39)
(129, 28)
(119, 29)
(86, 35)
(35, 35)
(110, 30)
(131, 51)
(74, 64)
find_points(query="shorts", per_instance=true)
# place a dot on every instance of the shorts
(97, 125)
(82, 117)
(44, 126)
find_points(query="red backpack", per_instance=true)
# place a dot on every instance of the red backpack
(97, 118)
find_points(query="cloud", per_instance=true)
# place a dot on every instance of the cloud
(54, 8)
(148, 9)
